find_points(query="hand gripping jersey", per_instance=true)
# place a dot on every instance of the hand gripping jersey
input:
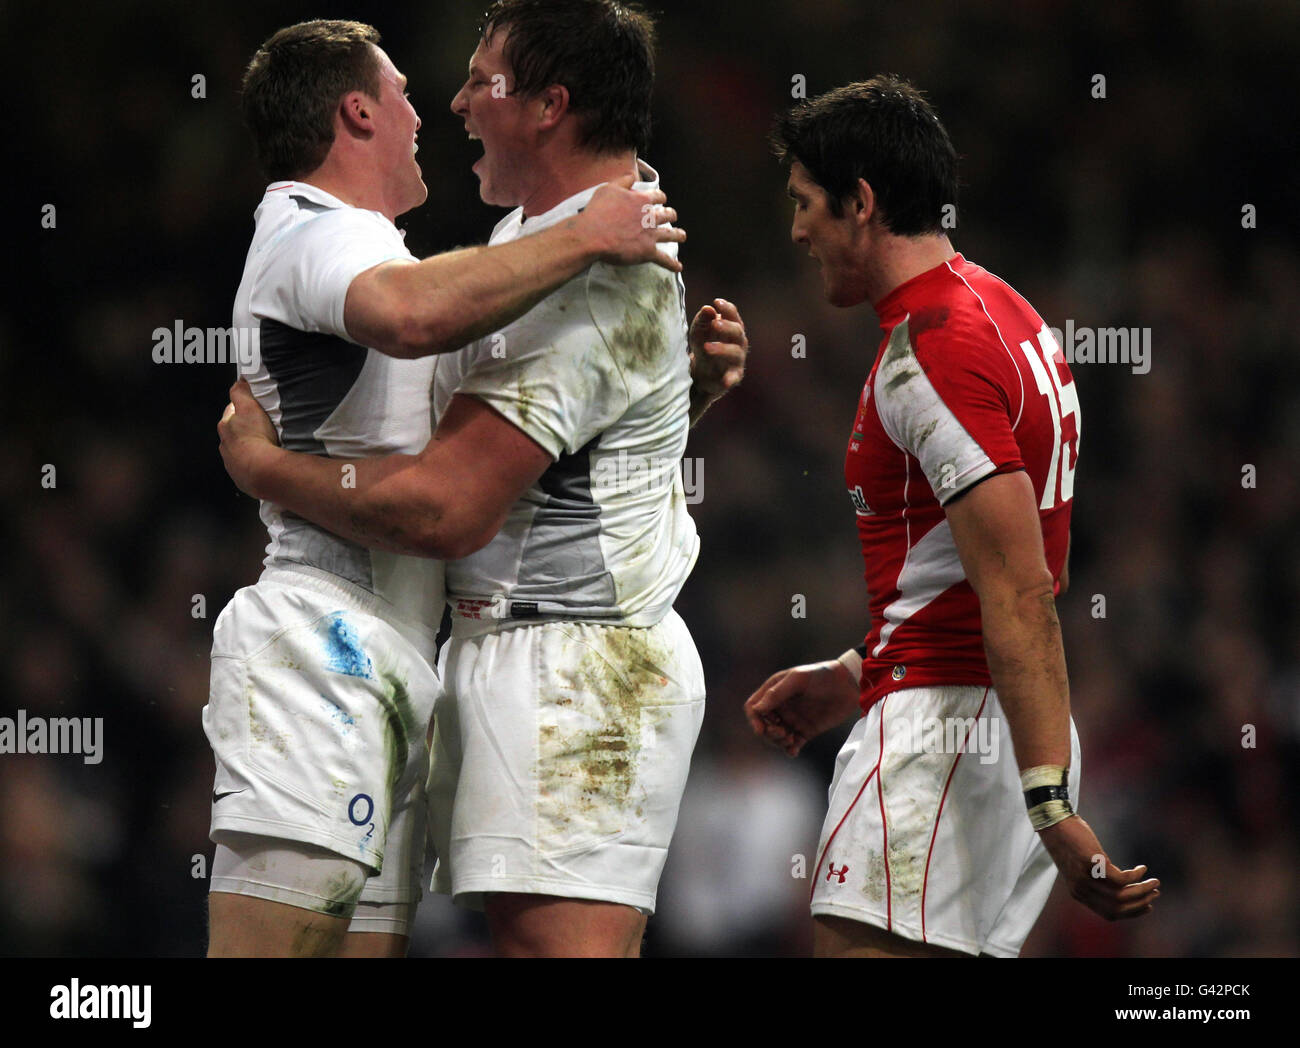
(326, 394)
(968, 382)
(598, 374)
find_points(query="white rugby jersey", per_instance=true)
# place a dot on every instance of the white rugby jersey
(326, 394)
(598, 374)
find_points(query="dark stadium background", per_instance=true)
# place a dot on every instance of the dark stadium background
(1125, 211)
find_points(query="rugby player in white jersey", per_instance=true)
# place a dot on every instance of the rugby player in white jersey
(960, 468)
(322, 679)
(573, 693)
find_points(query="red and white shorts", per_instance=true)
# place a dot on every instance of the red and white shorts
(927, 834)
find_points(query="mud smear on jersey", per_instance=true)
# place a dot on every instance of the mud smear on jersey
(927, 319)
(898, 366)
(639, 342)
(924, 435)
(602, 712)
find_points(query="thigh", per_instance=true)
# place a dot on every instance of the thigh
(842, 937)
(374, 944)
(244, 926)
(547, 926)
(280, 898)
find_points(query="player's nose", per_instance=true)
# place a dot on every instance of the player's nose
(458, 103)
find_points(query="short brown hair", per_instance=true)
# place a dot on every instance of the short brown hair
(882, 130)
(600, 50)
(293, 84)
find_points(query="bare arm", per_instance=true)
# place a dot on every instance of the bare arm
(414, 309)
(1000, 541)
(447, 501)
(998, 537)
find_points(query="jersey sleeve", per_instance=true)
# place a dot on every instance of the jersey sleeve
(550, 373)
(938, 404)
(305, 281)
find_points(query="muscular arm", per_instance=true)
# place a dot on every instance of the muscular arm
(446, 502)
(415, 309)
(997, 534)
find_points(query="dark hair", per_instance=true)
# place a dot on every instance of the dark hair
(293, 84)
(600, 50)
(884, 131)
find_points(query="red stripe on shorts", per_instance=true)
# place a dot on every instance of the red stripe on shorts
(831, 838)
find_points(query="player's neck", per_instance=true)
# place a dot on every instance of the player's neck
(560, 177)
(355, 186)
(904, 258)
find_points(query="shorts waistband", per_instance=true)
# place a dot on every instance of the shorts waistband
(472, 617)
(341, 589)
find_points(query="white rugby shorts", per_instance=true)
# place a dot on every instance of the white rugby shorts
(560, 754)
(318, 717)
(927, 835)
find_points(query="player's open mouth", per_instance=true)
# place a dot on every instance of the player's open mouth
(475, 138)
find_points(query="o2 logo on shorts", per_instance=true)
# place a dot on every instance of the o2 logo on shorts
(360, 811)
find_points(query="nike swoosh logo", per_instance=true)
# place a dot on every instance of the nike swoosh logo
(218, 796)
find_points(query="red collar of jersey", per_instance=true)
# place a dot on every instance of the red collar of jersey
(891, 309)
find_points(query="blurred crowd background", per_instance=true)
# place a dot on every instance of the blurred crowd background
(1117, 211)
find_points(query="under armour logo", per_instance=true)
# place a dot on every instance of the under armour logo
(837, 873)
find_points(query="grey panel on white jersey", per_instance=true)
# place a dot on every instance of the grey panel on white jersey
(598, 374)
(326, 394)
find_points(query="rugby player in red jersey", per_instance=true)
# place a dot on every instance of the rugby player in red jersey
(960, 467)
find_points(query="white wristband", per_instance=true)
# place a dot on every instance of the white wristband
(852, 662)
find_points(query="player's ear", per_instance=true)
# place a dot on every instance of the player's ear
(355, 112)
(553, 103)
(862, 201)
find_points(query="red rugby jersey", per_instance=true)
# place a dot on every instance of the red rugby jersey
(968, 382)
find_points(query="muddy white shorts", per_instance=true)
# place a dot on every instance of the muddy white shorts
(560, 755)
(927, 835)
(318, 715)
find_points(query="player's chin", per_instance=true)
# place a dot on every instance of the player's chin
(835, 294)
(843, 296)
(487, 193)
(418, 195)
